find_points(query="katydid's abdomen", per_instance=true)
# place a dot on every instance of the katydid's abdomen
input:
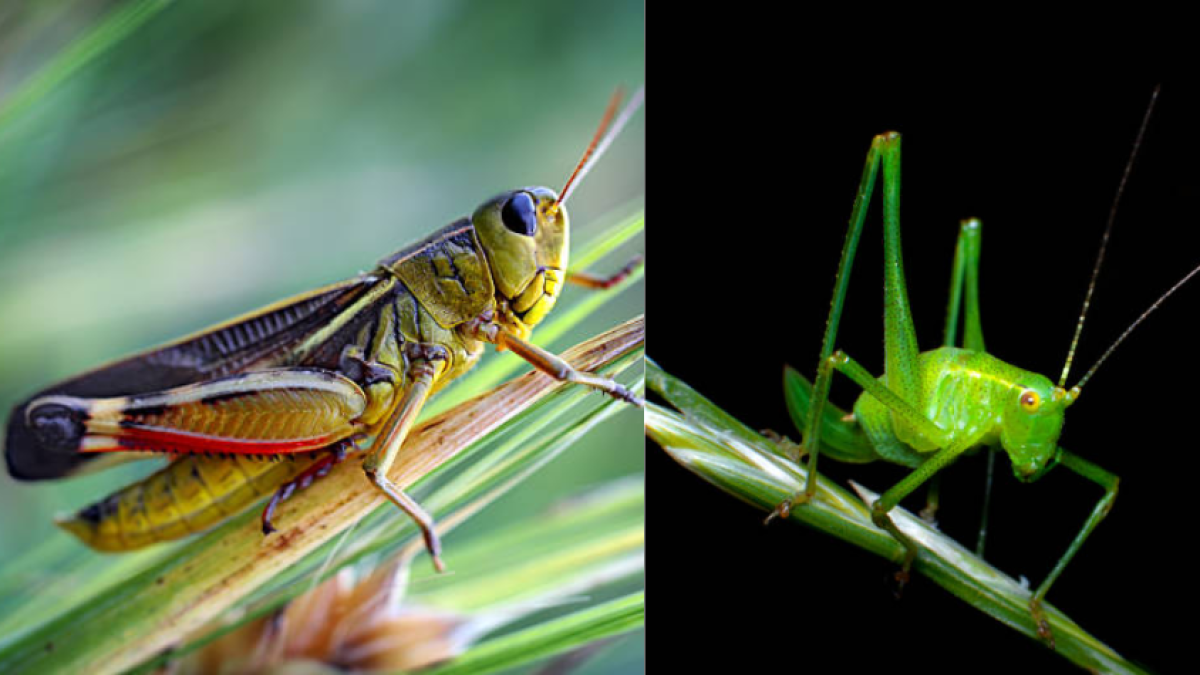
(962, 391)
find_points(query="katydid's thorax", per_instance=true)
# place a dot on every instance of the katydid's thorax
(971, 395)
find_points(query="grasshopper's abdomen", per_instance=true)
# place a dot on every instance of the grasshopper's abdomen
(188, 495)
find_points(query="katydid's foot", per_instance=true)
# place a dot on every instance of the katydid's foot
(901, 578)
(785, 507)
(1043, 625)
(929, 514)
(791, 450)
(883, 521)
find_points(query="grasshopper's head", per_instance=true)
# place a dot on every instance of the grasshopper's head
(525, 236)
(524, 232)
(1031, 425)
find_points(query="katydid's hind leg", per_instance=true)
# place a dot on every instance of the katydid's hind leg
(319, 469)
(1108, 481)
(981, 540)
(425, 363)
(932, 500)
(964, 280)
(811, 439)
(966, 263)
(900, 352)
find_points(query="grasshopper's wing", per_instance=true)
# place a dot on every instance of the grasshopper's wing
(253, 341)
(448, 273)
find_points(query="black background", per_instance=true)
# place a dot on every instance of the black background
(754, 164)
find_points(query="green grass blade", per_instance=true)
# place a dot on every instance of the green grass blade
(149, 612)
(733, 457)
(612, 618)
(531, 572)
(118, 24)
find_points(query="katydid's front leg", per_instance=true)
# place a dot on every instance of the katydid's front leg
(894, 495)
(1105, 479)
(425, 363)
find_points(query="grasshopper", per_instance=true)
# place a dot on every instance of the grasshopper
(312, 376)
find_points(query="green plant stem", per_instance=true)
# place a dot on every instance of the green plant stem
(714, 445)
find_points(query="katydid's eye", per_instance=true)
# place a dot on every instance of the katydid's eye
(519, 215)
(1030, 401)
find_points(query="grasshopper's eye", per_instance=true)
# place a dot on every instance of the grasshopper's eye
(1030, 401)
(519, 214)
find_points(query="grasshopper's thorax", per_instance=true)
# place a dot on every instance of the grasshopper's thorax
(1019, 409)
(525, 236)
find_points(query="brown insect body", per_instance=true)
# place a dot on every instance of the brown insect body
(311, 376)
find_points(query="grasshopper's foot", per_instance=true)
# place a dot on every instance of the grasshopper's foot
(1039, 620)
(434, 546)
(620, 393)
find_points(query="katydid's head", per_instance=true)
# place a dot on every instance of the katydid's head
(1032, 423)
(525, 236)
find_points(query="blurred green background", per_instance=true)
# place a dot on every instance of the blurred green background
(227, 154)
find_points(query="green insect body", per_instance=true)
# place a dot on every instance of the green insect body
(929, 408)
(982, 399)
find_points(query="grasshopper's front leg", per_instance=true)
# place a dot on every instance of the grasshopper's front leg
(486, 329)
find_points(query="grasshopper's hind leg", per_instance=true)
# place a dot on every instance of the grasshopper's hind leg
(319, 469)
(425, 364)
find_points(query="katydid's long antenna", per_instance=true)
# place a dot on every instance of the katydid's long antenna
(1112, 216)
(1140, 319)
(598, 145)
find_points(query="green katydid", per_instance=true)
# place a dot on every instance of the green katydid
(928, 408)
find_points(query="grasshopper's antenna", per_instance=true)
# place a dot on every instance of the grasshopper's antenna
(600, 144)
(1112, 216)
